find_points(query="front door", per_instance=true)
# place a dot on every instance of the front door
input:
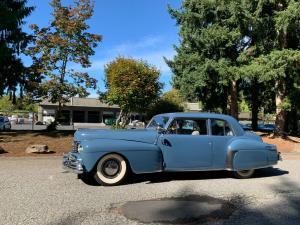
(186, 145)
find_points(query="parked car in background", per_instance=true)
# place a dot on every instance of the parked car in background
(246, 126)
(4, 123)
(266, 127)
(48, 120)
(170, 142)
(110, 121)
(13, 119)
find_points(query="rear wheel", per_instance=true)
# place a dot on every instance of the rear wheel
(112, 169)
(243, 174)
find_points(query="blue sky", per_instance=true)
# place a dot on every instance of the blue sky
(142, 29)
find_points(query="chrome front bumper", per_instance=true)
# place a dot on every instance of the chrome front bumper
(72, 163)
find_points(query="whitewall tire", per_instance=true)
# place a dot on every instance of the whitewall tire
(243, 174)
(112, 169)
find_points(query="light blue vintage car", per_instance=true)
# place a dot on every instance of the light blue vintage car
(170, 142)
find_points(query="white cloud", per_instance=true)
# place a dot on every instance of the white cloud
(130, 47)
(155, 58)
(150, 49)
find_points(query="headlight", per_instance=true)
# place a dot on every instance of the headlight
(79, 148)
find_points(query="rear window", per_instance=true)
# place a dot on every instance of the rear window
(1, 119)
(220, 128)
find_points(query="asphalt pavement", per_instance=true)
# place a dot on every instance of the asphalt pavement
(36, 190)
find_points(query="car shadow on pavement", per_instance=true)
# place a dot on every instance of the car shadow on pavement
(203, 175)
(282, 208)
(177, 176)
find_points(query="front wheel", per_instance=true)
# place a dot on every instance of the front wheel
(243, 174)
(112, 169)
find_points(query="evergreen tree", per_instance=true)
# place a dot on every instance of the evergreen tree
(12, 41)
(211, 40)
(273, 54)
(227, 46)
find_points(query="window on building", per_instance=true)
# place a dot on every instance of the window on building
(64, 117)
(78, 116)
(93, 117)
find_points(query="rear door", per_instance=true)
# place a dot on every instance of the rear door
(221, 134)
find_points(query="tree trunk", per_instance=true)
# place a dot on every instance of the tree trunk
(21, 91)
(119, 118)
(14, 100)
(280, 113)
(254, 105)
(234, 112)
(57, 114)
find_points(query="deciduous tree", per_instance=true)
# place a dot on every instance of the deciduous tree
(170, 101)
(132, 84)
(61, 45)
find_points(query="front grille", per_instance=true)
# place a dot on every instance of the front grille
(75, 146)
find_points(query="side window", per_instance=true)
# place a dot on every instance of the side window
(188, 127)
(220, 128)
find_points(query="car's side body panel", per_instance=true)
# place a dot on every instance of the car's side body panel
(142, 157)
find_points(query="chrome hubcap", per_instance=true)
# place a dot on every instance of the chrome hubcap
(244, 172)
(111, 168)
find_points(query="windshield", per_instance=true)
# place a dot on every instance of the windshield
(158, 121)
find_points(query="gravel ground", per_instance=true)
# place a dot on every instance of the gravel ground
(38, 191)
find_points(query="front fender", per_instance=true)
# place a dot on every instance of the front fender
(142, 157)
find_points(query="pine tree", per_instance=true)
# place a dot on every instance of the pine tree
(12, 42)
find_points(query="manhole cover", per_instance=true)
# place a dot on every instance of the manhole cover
(183, 210)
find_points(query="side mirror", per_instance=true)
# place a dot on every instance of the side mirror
(161, 130)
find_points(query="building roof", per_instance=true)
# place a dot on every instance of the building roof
(81, 102)
(193, 106)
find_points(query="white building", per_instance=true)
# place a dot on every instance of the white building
(79, 110)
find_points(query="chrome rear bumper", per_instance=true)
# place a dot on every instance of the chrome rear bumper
(72, 163)
(279, 156)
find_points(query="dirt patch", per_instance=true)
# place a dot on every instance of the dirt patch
(15, 143)
(291, 144)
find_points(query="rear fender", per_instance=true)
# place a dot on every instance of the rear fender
(245, 154)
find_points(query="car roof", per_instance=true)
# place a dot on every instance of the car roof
(197, 114)
(205, 115)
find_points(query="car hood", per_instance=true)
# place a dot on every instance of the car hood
(140, 135)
